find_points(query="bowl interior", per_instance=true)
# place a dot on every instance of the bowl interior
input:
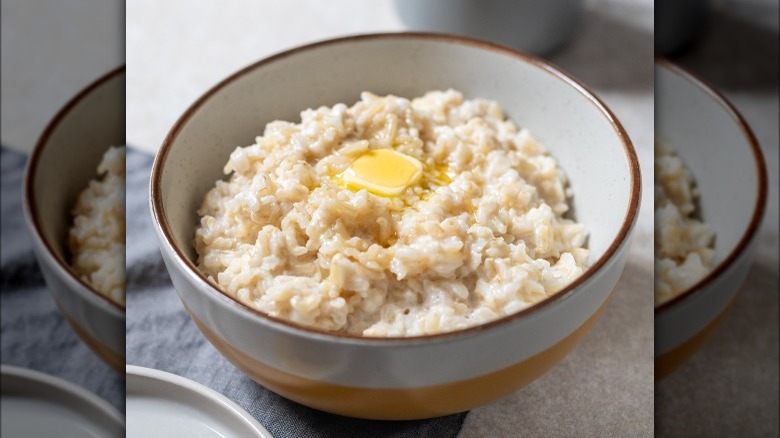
(67, 159)
(586, 143)
(715, 147)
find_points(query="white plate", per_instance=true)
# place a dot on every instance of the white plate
(34, 404)
(161, 404)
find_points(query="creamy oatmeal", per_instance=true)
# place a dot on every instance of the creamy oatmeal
(392, 217)
(97, 238)
(683, 243)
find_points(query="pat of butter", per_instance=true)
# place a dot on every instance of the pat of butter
(383, 172)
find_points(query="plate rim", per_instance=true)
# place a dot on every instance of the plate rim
(170, 379)
(15, 371)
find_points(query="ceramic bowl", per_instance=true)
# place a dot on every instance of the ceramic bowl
(721, 152)
(63, 162)
(399, 378)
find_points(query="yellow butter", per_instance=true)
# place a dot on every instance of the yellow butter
(383, 172)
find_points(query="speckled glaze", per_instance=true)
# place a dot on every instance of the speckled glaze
(399, 378)
(60, 167)
(718, 147)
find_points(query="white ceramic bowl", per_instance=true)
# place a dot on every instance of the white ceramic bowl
(721, 152)
(63, 162)
(399, 378)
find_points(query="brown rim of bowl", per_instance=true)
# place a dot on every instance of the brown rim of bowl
(631, 213)
(758, 157)
(32, 167)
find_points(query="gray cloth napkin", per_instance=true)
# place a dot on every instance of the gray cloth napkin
(33, 334)
(161, 335)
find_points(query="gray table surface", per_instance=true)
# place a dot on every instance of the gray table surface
(730, 387)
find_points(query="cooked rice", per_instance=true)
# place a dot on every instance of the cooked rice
(683, 243)
(97, 239)
(482, 237)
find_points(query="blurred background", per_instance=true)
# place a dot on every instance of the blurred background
(178, 49)
(730, 387)
(51, 50)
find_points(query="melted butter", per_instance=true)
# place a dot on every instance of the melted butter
(442, 174)
(383, 172)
